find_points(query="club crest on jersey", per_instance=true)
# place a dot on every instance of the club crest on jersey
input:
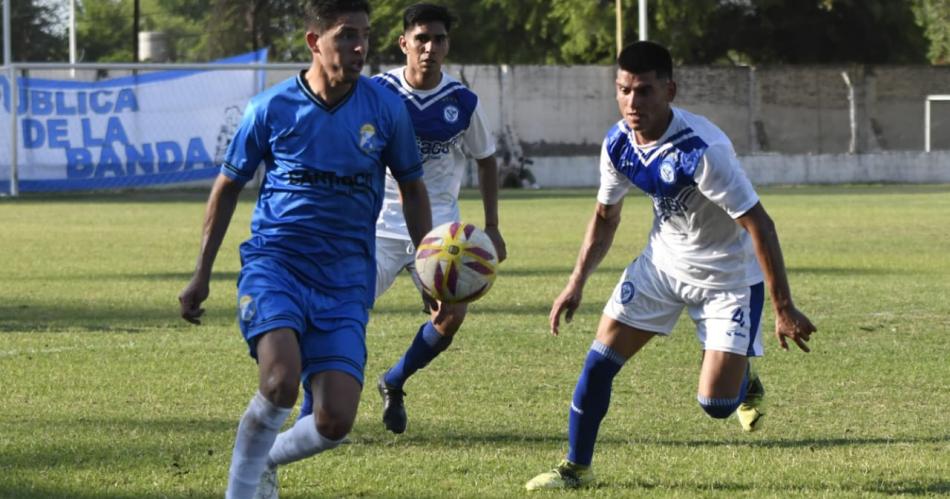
(668, 170)
(450, 114)
(626, 293)
(367, 134)
(246, 308)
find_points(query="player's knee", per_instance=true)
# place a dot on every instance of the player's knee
(334, 424)
(718, 408)
(280, 388)
(334, 429)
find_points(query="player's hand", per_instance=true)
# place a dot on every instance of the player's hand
(499, 242)
(568, 302)
(191, 298)
(794, 325)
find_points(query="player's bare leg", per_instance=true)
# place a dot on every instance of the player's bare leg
(433, 338)
(278, 355)
(723, 382)
(336, 397)
(615, 343)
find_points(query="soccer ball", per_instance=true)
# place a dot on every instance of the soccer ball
(456, 262)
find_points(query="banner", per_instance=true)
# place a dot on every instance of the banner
(154, 128)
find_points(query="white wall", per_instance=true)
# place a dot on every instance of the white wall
(771, 169)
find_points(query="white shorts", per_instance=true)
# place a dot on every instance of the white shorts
(726, 320)
(392, 257)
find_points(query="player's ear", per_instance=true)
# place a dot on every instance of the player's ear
(670, 90)
(403, 44)
(312, 38)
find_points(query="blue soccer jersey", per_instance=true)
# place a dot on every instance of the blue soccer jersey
(323, 180)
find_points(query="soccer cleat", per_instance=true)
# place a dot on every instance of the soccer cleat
(566, 475)
(267, 488)
(750, 411)
(394, 411)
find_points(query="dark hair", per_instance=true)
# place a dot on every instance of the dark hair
(422, 13)
(323, 14)
(643, 57)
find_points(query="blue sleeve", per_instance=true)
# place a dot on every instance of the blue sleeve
(402, 154)
(248, 147)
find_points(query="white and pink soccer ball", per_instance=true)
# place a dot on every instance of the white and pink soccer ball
(456, 262)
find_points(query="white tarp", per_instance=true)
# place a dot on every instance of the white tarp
(154, 128)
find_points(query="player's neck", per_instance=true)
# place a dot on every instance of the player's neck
(645, 137)
(421, 80)
(329, 91)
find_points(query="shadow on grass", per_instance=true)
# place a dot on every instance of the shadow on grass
(852, 271)
(30, 318)
(424, 437)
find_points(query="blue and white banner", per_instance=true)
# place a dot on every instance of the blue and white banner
(155, 128)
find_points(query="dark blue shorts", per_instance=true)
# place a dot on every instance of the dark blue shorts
(331, 334)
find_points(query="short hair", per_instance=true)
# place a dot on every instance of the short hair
(323, 14)
(644, 56)
(422, 13)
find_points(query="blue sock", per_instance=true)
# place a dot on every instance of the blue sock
(721, 408)
(591, 399)
(427, 345)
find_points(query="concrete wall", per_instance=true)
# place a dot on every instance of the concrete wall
(772, 168)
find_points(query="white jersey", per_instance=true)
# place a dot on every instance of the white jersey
(448, 121)
(698, 190)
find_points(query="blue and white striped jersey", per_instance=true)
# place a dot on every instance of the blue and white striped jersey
(449, 123)
(324, 172)
(698, 190)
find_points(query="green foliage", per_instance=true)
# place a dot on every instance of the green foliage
(35, 32)
(518, 31)
(934, 16)
(107, 394)
(104, 31)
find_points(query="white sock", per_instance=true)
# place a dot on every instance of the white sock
(300, 441)
(255, 436)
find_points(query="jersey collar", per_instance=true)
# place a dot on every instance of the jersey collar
(305, 88)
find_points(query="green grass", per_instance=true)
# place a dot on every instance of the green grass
(106, 393)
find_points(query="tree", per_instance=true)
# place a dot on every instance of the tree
(823, 31)
(34, 32)
(104, 31)
(934, 17)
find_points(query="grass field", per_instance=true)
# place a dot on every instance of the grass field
(106, 393)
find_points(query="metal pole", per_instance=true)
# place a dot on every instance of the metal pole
(72, 36)
(927, 125)
(7, 35)
(135, 32)
(619, 12)
(643, 20)
(852, 113)
(14, 93)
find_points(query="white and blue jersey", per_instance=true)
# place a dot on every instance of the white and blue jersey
(323, 181)
(698, 190)
(448, 122)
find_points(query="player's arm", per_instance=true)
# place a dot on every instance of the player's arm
(418, 215)
(221, 204)
(488, 185)
(790, 323)
(597, 241)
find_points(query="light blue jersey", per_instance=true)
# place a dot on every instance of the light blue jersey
(323, 180)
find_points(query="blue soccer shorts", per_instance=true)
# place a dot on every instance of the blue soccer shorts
(331, 334)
